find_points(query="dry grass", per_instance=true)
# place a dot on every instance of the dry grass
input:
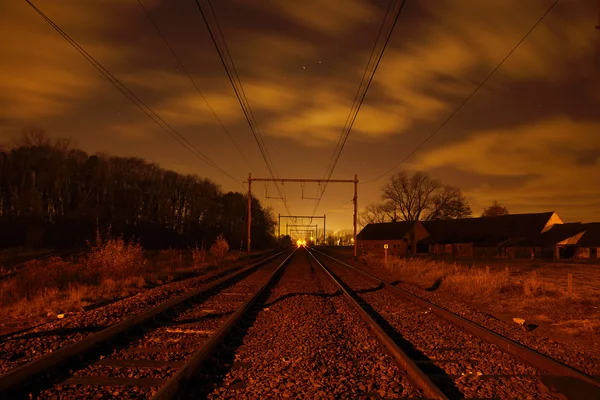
(112, 268)
(469, 282)
(578, 327)
(533, 291)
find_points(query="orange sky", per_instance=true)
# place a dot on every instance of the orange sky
(529, 139)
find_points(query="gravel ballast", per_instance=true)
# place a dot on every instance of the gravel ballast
(179, 337)
(569, 354)
(478, 369)
(307, 342)
(22, 348)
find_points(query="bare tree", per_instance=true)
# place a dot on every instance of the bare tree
(419, 197)
(495, 210)
(376, 213)
(31, 137)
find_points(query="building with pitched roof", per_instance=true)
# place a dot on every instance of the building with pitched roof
(558, 242)
(588, 245)
(487, 237)
(401, 237)
(536, 235)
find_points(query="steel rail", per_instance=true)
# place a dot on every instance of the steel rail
(538, 360)
(177, 383)
(414, 374)
(17, 377)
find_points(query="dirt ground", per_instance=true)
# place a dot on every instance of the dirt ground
(575, 319)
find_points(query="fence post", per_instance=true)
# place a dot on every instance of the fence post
(507, 272)
(534, 275)
(570, 284)
(385, 249)
(487, 269)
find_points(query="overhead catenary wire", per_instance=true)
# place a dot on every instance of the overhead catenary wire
(360, 86)
(190, 77)
(462, 104)
(226, 56)
(157, 119)
(367, 79)
(232, 75)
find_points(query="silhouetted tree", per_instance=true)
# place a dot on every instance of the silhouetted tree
(495, 210)
(419, 197)
(376, 213)
(56, 196)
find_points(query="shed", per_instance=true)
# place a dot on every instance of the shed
(402, 238)
(589, 244)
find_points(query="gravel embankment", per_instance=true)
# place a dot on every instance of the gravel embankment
(22, 348)
(478, 369)
(180, 337)
(570, 354)
(308, 343)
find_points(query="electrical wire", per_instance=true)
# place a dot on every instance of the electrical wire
(189, 75)
(462, 104)
(375, 59)
(157, 119)
(231, 71)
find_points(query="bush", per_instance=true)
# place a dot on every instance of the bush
(220, 248)
(169, 260)
(113, 258)
(199, 256)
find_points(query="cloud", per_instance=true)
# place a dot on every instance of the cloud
(134, 131)
(190, 109)
(427, 70)
(332, 17)
(41, 75)
(547, 53)
(546, 150)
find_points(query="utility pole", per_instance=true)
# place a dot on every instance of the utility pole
(302, 181)
(279, 227)
(324, 230)
(249, 209)
(355, 213)
(598, 39)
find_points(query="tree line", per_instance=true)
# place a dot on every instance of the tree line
(419, 197)
(57, 196)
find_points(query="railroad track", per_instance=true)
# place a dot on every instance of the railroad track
(309, 331)
(448, 356)
(150, 354)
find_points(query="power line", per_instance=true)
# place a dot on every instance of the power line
(189, 75)
(358, 91)
(435, 131)
(157, 119)
(374, 60)
(238, 89)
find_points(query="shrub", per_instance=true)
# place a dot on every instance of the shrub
(113, 258)
(199, 256)
(219, 248)
(169, 260)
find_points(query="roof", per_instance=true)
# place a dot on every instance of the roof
(386, 231)
(487, 231)
(553, 236)
(591, 237)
